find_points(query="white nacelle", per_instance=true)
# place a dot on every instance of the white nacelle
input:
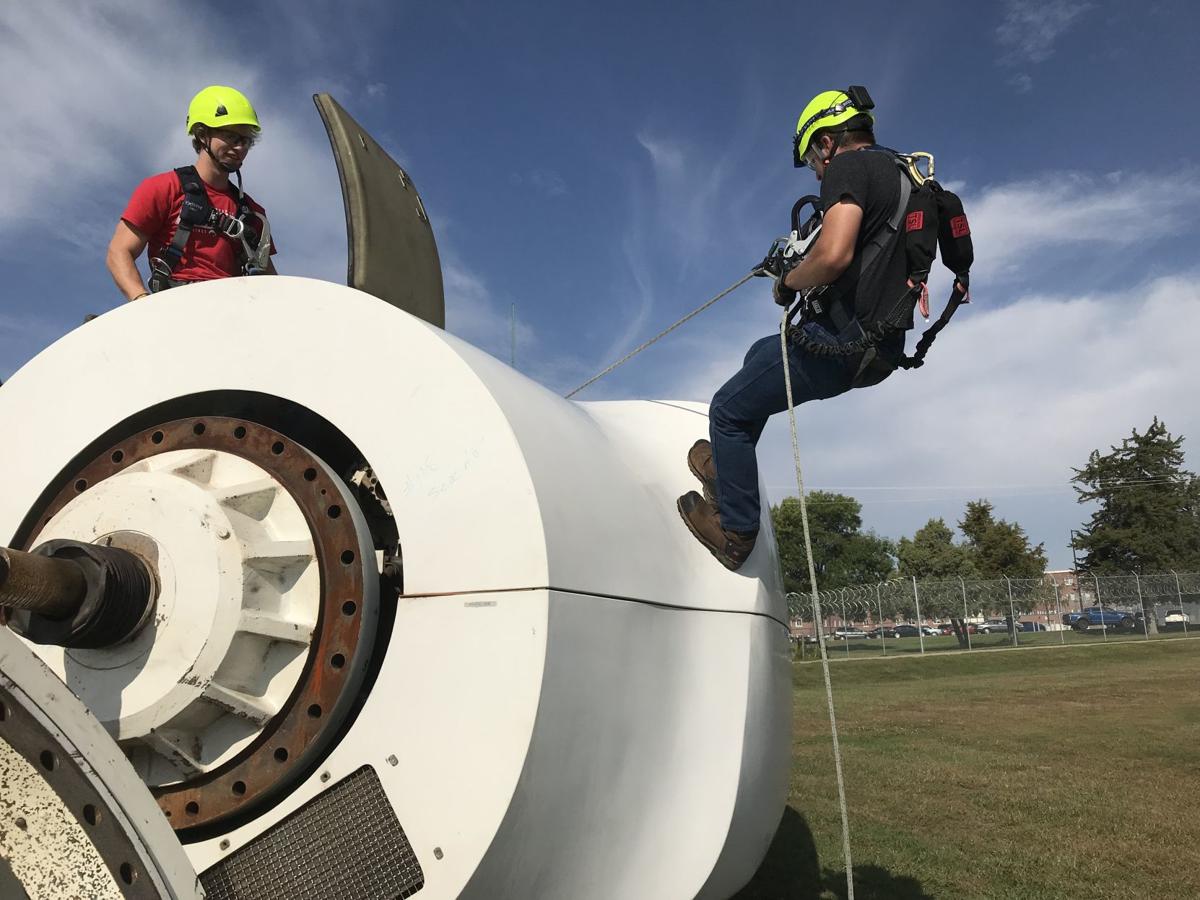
(577, 700)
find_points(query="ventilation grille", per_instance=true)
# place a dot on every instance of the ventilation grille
(345, 844)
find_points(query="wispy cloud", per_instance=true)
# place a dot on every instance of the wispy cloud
(546, 182)
(1030, 27)
(1040, 216)
(1029, 30)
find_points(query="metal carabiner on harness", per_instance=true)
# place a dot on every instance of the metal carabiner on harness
(230, 226)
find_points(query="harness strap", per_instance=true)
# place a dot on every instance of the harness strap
(958, 297)
(195, 210)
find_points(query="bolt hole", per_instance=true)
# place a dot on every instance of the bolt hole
(91, 815)
(315, 711)
(337, 660)
(239, 432)
(81, 485)
(157, 437)
(239, 787)
(48, 760)
(310, 474)
(198, 428)
(117, 456)
(167, 813)
(334, 511)
(224, 844)
(128, 875)
(277, 448)
(193, 808)
(349, 608)
(347, 557)
(281, 754)
(21, 823)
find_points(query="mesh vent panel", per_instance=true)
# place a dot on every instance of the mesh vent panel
(345, 844)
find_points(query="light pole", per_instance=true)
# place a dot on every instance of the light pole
(1075, 561)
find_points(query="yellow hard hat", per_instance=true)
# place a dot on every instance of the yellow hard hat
(218, 106)
(826, 110)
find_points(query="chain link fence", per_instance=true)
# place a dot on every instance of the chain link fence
(911, 615)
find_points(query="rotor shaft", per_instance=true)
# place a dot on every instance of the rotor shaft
(55, 588)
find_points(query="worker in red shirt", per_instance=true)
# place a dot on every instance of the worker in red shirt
(197, 224)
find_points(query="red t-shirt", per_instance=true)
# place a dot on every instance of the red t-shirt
(154, 210)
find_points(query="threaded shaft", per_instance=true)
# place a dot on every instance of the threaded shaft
(51, 587)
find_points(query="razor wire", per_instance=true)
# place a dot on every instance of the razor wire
(962, 598)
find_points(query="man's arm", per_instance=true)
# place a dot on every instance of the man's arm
(833, 252)
(125, 247)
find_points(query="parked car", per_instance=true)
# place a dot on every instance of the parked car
(931, 630)
(1176, 618)
(1033, 626)
(907, 631)
(1104, 616)
(884, 632)
(945, 628)
(994, 626)
(848, 634)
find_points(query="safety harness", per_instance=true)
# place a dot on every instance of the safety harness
(932, 219)
(253, 245)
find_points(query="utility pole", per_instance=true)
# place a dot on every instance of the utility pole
(1075, 561)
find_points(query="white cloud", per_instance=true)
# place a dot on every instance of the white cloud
(1012, 221)
(1030, 27)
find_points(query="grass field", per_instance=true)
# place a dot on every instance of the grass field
(1065, 773)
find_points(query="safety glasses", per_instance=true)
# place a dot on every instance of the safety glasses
(235, 139)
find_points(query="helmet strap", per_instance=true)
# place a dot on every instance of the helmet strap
(837, 137)
(206, 143)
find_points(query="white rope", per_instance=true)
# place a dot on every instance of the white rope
(817, 617)
(632, 353)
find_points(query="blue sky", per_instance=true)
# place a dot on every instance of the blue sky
(607, 167)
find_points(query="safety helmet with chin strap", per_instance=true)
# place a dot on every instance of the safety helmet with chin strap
(827, 111)
(217, 106)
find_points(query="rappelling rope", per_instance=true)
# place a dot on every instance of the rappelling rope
(817, 617)
(812, 569)
(632, 353)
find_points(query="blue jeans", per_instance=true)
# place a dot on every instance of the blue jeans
(740, 410)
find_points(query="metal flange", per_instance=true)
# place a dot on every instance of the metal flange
(268, 599)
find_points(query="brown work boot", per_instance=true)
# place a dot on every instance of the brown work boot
(700, 461)
(731, 548)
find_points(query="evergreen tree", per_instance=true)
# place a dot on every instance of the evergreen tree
(1147, 518)
(997, 547)
(842, 552)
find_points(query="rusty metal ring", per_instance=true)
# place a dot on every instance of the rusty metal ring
(301, 729)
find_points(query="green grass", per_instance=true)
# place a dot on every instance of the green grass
(1066, 773)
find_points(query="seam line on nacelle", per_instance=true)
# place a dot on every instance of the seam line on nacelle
(654, 603)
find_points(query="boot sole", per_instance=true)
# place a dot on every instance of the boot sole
(720, 557)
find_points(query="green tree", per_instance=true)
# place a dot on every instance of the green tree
(1001, 549)
(932, 553)
(842, 552)
(997, 547)
(1147, 516)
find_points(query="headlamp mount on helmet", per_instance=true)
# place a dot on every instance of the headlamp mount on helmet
(857, 98)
